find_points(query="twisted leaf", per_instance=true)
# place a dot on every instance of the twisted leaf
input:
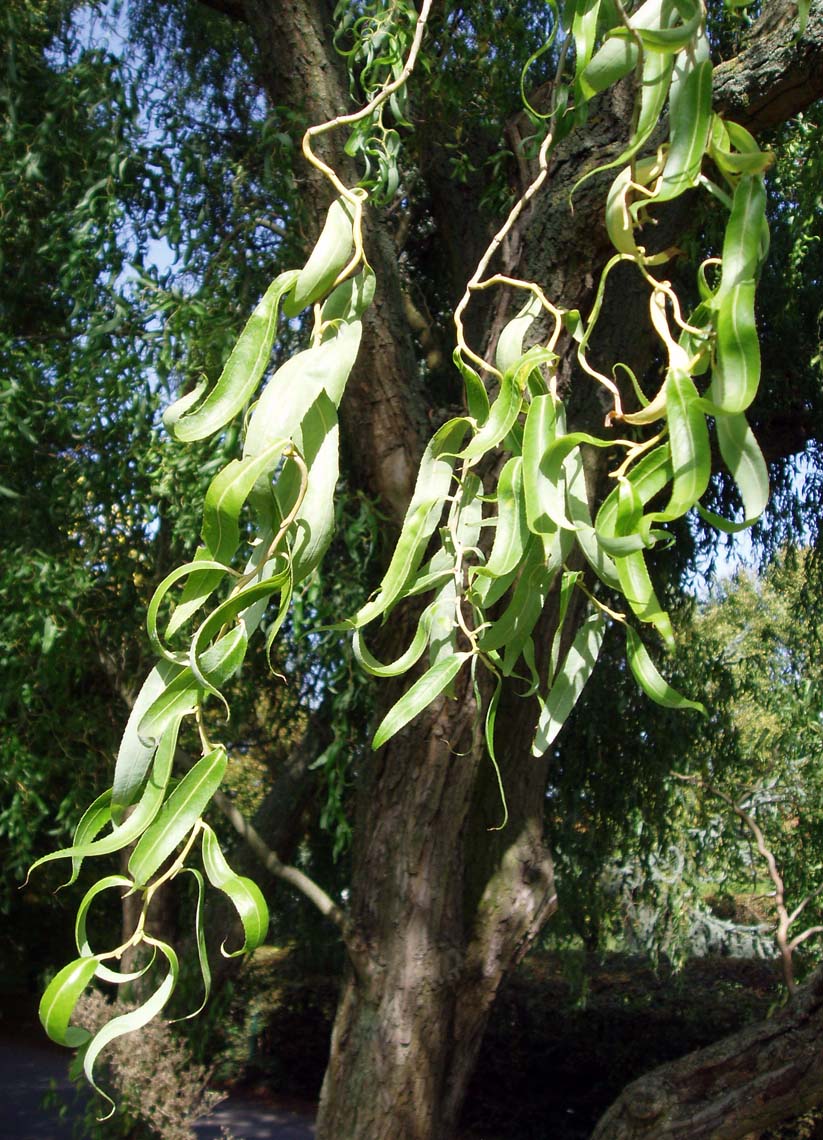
(244, 895)
(329, 256)
(648, 678)
(241, 375)
(61, 996)
(129, 1022)
(179, 814)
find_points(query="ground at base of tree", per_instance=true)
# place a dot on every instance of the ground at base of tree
(565, 1038)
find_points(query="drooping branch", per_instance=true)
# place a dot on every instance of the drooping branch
(300, 68)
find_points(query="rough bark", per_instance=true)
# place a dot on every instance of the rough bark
(431, 956)
(778, 74)
(442, 908)
(734, 1089)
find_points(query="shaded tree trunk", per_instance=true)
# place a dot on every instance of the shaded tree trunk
(436, 931)
(442, 907)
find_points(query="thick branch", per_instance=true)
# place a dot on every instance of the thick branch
(777, 75)
(748, 1082)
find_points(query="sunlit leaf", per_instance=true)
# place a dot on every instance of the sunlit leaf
(422, 516)
(569, 683)
(129, 1022)
(136, 751)
(178, 815)
(242, 373)
(330, 255)
(60, 998)
(244, 894)
(648, 678)
(421, 694)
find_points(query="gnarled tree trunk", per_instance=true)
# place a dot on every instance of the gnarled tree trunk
(732, 1090)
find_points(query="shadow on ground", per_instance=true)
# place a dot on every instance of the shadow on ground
(28, 1070)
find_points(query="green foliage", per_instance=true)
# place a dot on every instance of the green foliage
(487, 552)
(772, 766)
(161, 1090)
(668, 865)
(290, 480)
(75, 524)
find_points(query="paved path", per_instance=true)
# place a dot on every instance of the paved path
(249, 1120)
(26, 1073)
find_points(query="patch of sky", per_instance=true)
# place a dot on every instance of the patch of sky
(791, 519)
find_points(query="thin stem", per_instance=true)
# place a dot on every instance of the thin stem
(475, 280)
(498, 239)
(531, 287)
(784, 921)
(176, 866)
(807, 933)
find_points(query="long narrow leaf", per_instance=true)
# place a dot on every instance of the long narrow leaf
(136, 750)
(129, 1022)
(329, 256)
(690, 110)
(183, 694)
(296, 385)
(540, 430)
(422, 516)
(745, 461)
(60, 998)
(421, 694)
(178, 815)
(511, 533)
(188, 569)
(648, 678)
(242, 372)
(404, 662)
(569, 683)
(103, 972)
(510, 343)
(243, 893)
(226, 495)
(200, 940)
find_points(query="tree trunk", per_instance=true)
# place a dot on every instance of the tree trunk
(441, 907)
(435, 938)
(733, 1090)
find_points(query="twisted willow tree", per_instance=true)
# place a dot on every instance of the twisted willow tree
(527, 531)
